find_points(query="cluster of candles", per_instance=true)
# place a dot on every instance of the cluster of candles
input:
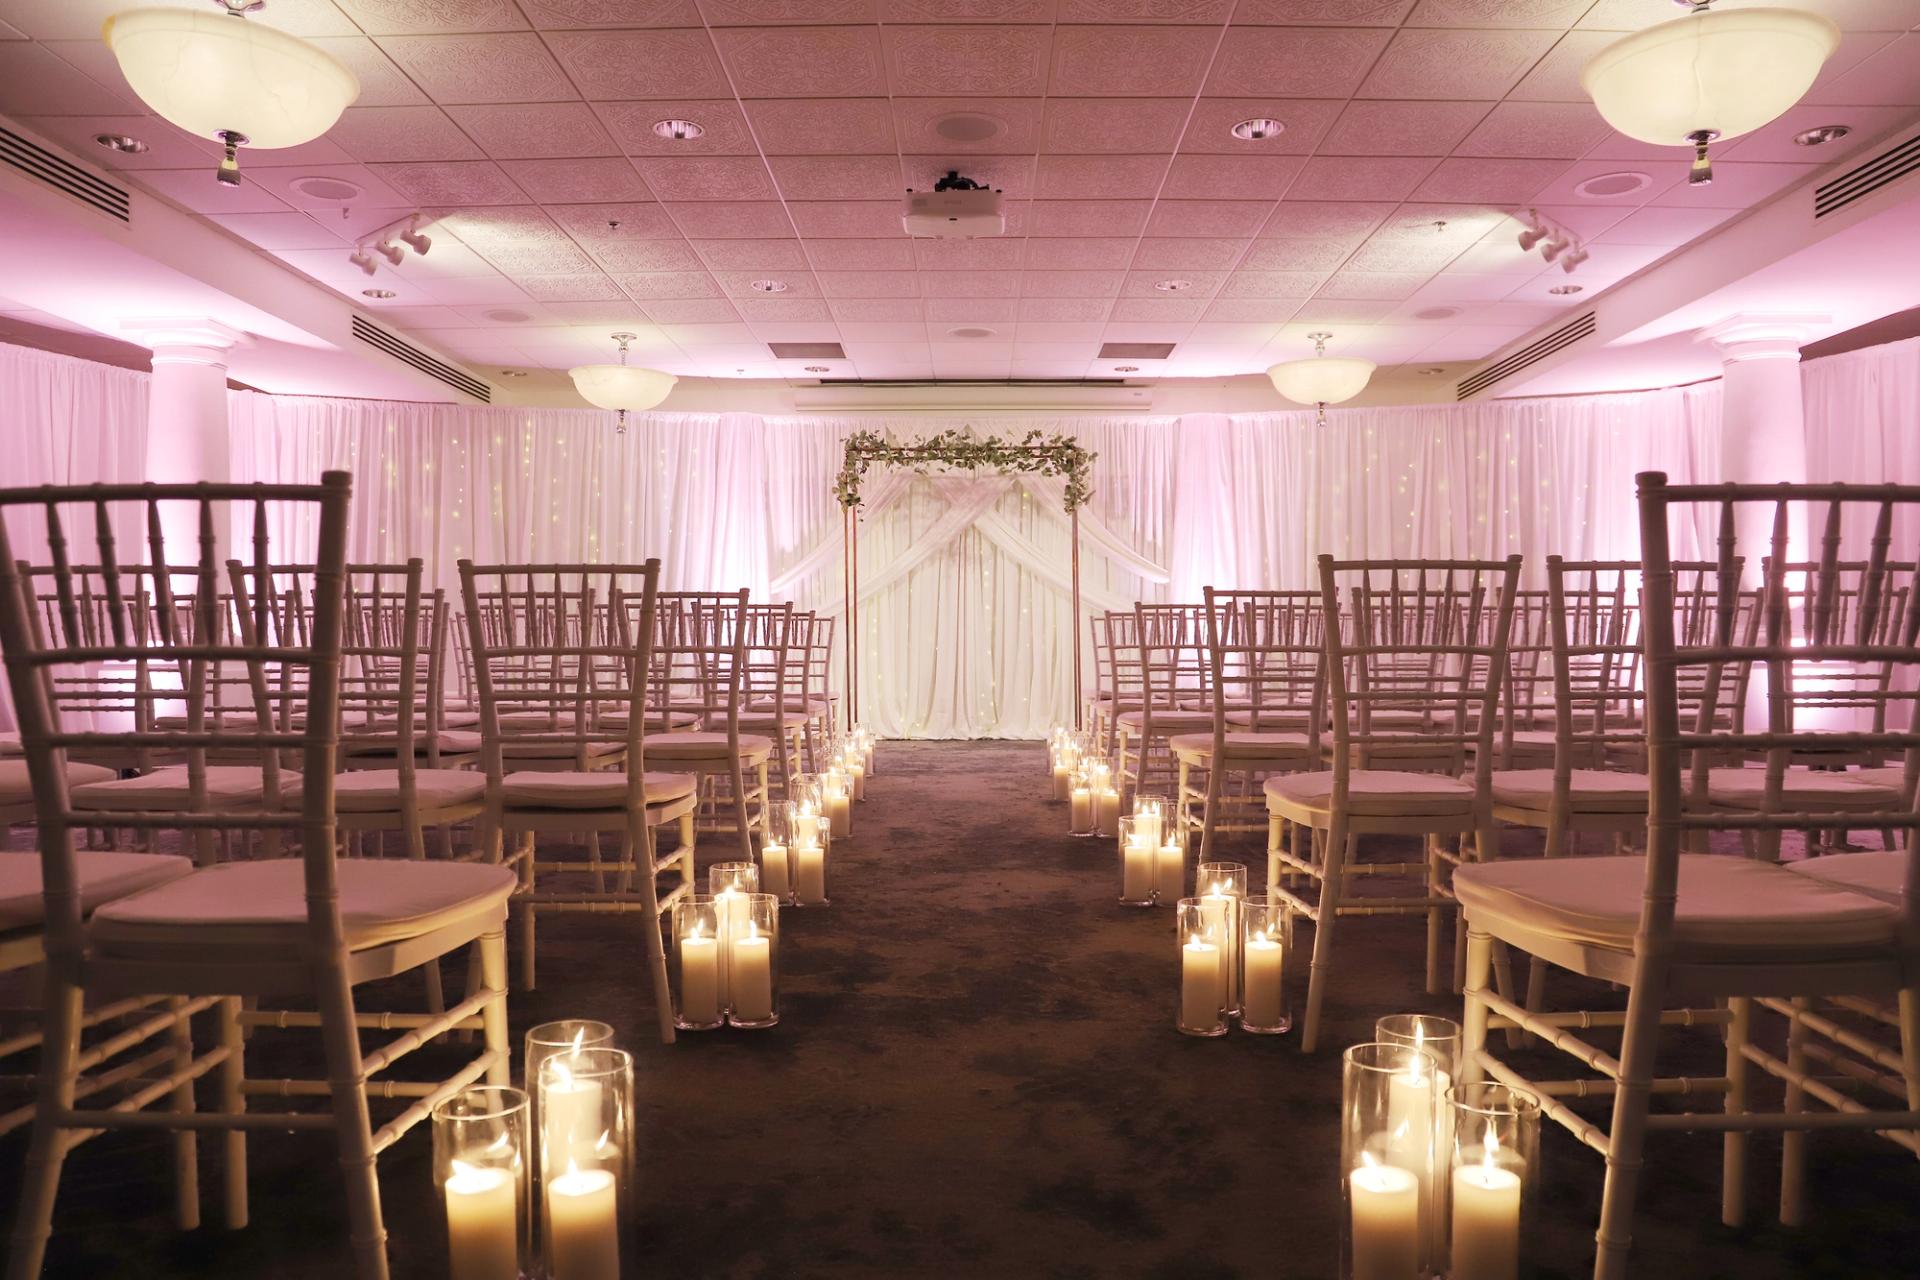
(582, 1132)
(1065, 747)
(1094, 800)
(1437, 1170)
(1233, 952)
(793, 858)
(727, 939)
(1153, 854)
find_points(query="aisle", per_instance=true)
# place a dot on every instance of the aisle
(976, 1076)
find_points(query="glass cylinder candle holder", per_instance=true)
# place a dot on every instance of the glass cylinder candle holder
(1202, 1009)
(809, 844)
(586, 1163)
(480, 1166)
(857, 774)
(1106, 801)
(803, 789)
(1438, 1036)
(753, 965)
(1493, 1161)
(1388, 1163)
(1265, 940)
(1170, 867)
(804, 822)
(698, 943)
(1153, 814)
(1080, 819)
(1137, 854)
(776, 866)
(567, 1035)
(1223, 887)
(836, 802)
(1062, 761)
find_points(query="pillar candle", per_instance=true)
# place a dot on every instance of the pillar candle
(1222, 912)
(806, 827)
(1486, 1222)
(1136, 870)
(583, 1234)
(1107, 812)
(774, 878)
(1199, 984)
(1386, 1222)
(570, 1108)
(1170, 872)
(699, 980)
(1147, 819)
(1081, 814)
(810, 873)
(858, 772)
(751, 976)
(839, 813)
(1264, 996)
(1062, 781)
(483, 1223)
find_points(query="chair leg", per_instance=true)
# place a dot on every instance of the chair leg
(1276, 833)
(1333, 872)
(1436, 925)
(656, 947)
(1628, 1133)
(742, 821)
(417, 850)
(527, 913)
(1733, 1146)
(186, 1142)
(40, 1175)
(1210, 807)
(1473, 1031)
(492, 950)
(233, 1101)
(353, 1127)
(1793, 1143)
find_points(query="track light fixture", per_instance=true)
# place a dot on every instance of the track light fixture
(1571, 260)
(392, 252)
(362, 259)
(1536, 231)
(1553, 248)
(415, 239)
(387, 242)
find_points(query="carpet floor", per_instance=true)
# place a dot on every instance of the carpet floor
(976, 1075)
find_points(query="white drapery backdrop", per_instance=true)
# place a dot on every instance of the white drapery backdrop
(1863, 426)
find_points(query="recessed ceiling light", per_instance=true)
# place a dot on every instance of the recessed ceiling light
(1172, 286)
(819, 368)
(1568, 288)
(507, 315)
(1818, 136)
(1257, 129)
(327, 190)
(1437, 313)
(677, 130)
(969, 126)
(1126, 368)
(1607, 185)
(767, 286)
(970, 331)
(1433, 371)
(120, 142)
(378, 293)
(513, 373)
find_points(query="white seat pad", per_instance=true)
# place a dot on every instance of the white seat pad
(1589, 790)
(1242, 745)
(264, 903)
(1375, 792)
(1271, 717)
(603, 790)
(655, 719)
(1887, 775)
(16, 787)
(10, 745)
(795, 706)
(1814, 789)
(229, 786)
(1728, 907)
(1169, 719)
(103, 874)
(1879, 872)
(453, 742)
(708, 745)
(378, 790)
(556, 748)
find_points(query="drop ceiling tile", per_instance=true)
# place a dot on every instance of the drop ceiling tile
(608, 179)
(1071, 284)
(836, 177)
(739, 284)
(1360, 177)
(321, 151)
(503, 224)
(1347, 221)
(1064, 310)
(1198, 12)
(1442, 221)
(167, 147)
(1886, 78)
(971, 125)
(426, 17)
(81, 19)
(1660, 226)
(499, 317)
(331, 265)
(1158, 310)
(670, 64)
(614, 312)
(529, 130)
(550, 15)
(453, 182)
(1556, 77)
(480, 68)
(1585, 221)
(1470, 343)
(591, 288)
(1774, 143)
(1295, 255)
(1310, 62)
(970, 284)
(1736, 185)
(1099, 177)
(1188, 253)
(1336, 311)
(1322, 13)
(647, 286)
(196, 190)
(760, 311)
(1495, 257)
(476, 289)
(1424, 63)
(1660, 175)
(767, 13)
(1497, 13)
(803, 62)
(873, 311)
(871, 219)
(998, 254)
(869, 284)
(712, 314)
(1531, 304)
(1567, 130)
(1305, 123)
(630, 125)
(643, 255)
(1396, 128)
(811, 126)
(1012, 175)
(394, 311)
(1612, 262)
(743, 220)
(1373, 285)
(708, 178)
(1091, 253)
(1231, 177)
(1271, 284)
(862, 255)
(1163, 331)
(1478, 179)
(281, 230)
(35, 80)
(1448, 287)
(1066, 331)
(401, 133)
(1253, 319)
(752, 255)
(1088, 217)
(1404, 255)
(381, 82)
(448, 257)
(545, 258)
(1213, 218)
(1131, 62)
(637, 221)
(1088, 125)
(971, 310)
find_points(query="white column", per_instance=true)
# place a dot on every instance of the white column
(1763, 429)
(187, 421)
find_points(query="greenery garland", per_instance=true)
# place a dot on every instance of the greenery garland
(957, 448)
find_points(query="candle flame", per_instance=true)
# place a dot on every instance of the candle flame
(579, 1039)
(604, 1142)
(1367, 1161)
(753, 930)
(1490, 1147)
(562, 1078)
(499, 1143)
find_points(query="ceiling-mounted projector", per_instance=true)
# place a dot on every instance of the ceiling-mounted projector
(956, 209)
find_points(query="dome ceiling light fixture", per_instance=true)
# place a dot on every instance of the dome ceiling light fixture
(622, 386)
(1322, 380)
(218, 76)
(1708, 76)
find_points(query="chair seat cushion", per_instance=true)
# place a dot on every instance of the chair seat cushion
(1169, 719)
(555, 721)
(559, 747)
(1271, 718)
(707, 745)
(1729, 907)
(1242, 745)
(229, 786)
(378, 790)
(10, 745)
(103, 874)
(1813, 789)
(1590, 790)
(16, 787)
(1881, 873)
(264, 904)
(453, 742)
(655, 719)
(603, 790)
(795, 706)
(1374, 792)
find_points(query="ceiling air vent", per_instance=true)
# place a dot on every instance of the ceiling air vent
(63, 175)
(1135, 350)
(1534, 352)
(1891, 165)
(806, 351)
(374, 336)
(973, 382)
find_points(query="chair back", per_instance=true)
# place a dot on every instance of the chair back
(181, 631)
(1267, 665)
(700, 657)
(1597, 698)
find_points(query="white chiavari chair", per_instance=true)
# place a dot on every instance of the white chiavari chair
(305, 930)
(774, 687)
(1697, 938)
(1169, 653)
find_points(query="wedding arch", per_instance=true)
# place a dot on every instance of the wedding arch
(955, 449)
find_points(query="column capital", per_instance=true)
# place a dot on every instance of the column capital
(1762, 335)
(184, 339)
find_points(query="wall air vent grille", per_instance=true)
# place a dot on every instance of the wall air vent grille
(374, 336)
(1565, 336)
(1891, 165)
(63, 175)
(1136, 350)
